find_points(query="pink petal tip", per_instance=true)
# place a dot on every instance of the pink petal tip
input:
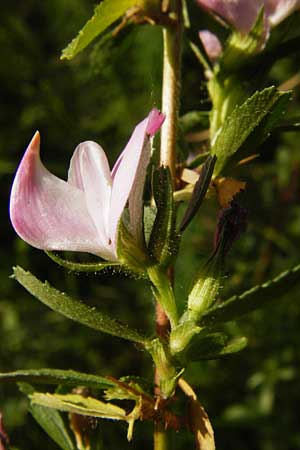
(155, 121)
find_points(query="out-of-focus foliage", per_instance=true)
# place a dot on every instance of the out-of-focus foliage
(252, 397)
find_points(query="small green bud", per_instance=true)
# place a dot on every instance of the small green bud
(206, 289)
(181, 336)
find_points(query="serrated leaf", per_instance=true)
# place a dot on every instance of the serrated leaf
(271, 120)
(252, 299)
(162, 243)
(77, 404)
(56, 376)
(74, 309)
(83, 267)
(105, 14)
(50, 420)
(240, 123)
(199, 192)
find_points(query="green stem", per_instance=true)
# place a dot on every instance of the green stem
(160, 438)
(172, 37)
(164, 293)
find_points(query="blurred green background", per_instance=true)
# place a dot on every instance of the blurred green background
(253, 397)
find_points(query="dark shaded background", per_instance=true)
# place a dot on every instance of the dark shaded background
(253, 397)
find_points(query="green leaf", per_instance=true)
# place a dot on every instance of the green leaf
(74, 309)
(83, 267)
(162, 243)
(213, 346)
(252, 299)
(105, 14)
(269, 123)
(50, 420)
(240, 123)
(56, 376)
(77, 404)
(199, 192)
(127, 388)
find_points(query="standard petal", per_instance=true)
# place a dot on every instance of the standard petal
(241, 14)
(49, 213)
(129, 175)
(90, 172)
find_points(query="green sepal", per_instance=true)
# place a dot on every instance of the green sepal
(213, 346)
(239, 124)
(56, 377)
(163, 244)
(181, 335)
(252, 299)
(199, 192)
(105, 14)
(149, 218)
(129, 252)
(74, 309)
(50, 420)
(242, 46)
(84, 267)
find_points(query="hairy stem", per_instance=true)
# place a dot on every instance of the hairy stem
(172, 37)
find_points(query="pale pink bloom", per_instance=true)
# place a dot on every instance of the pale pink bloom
(211, 43)
(242, 14)
(83, 213)
(278, 10)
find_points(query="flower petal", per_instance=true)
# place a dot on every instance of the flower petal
(90, 172)
(278, 10)
(241, 14)
(211, 43)
(129, 175)
(49, 213)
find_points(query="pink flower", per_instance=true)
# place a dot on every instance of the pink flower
(211, 43)
(242, 14)
(83, 213)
